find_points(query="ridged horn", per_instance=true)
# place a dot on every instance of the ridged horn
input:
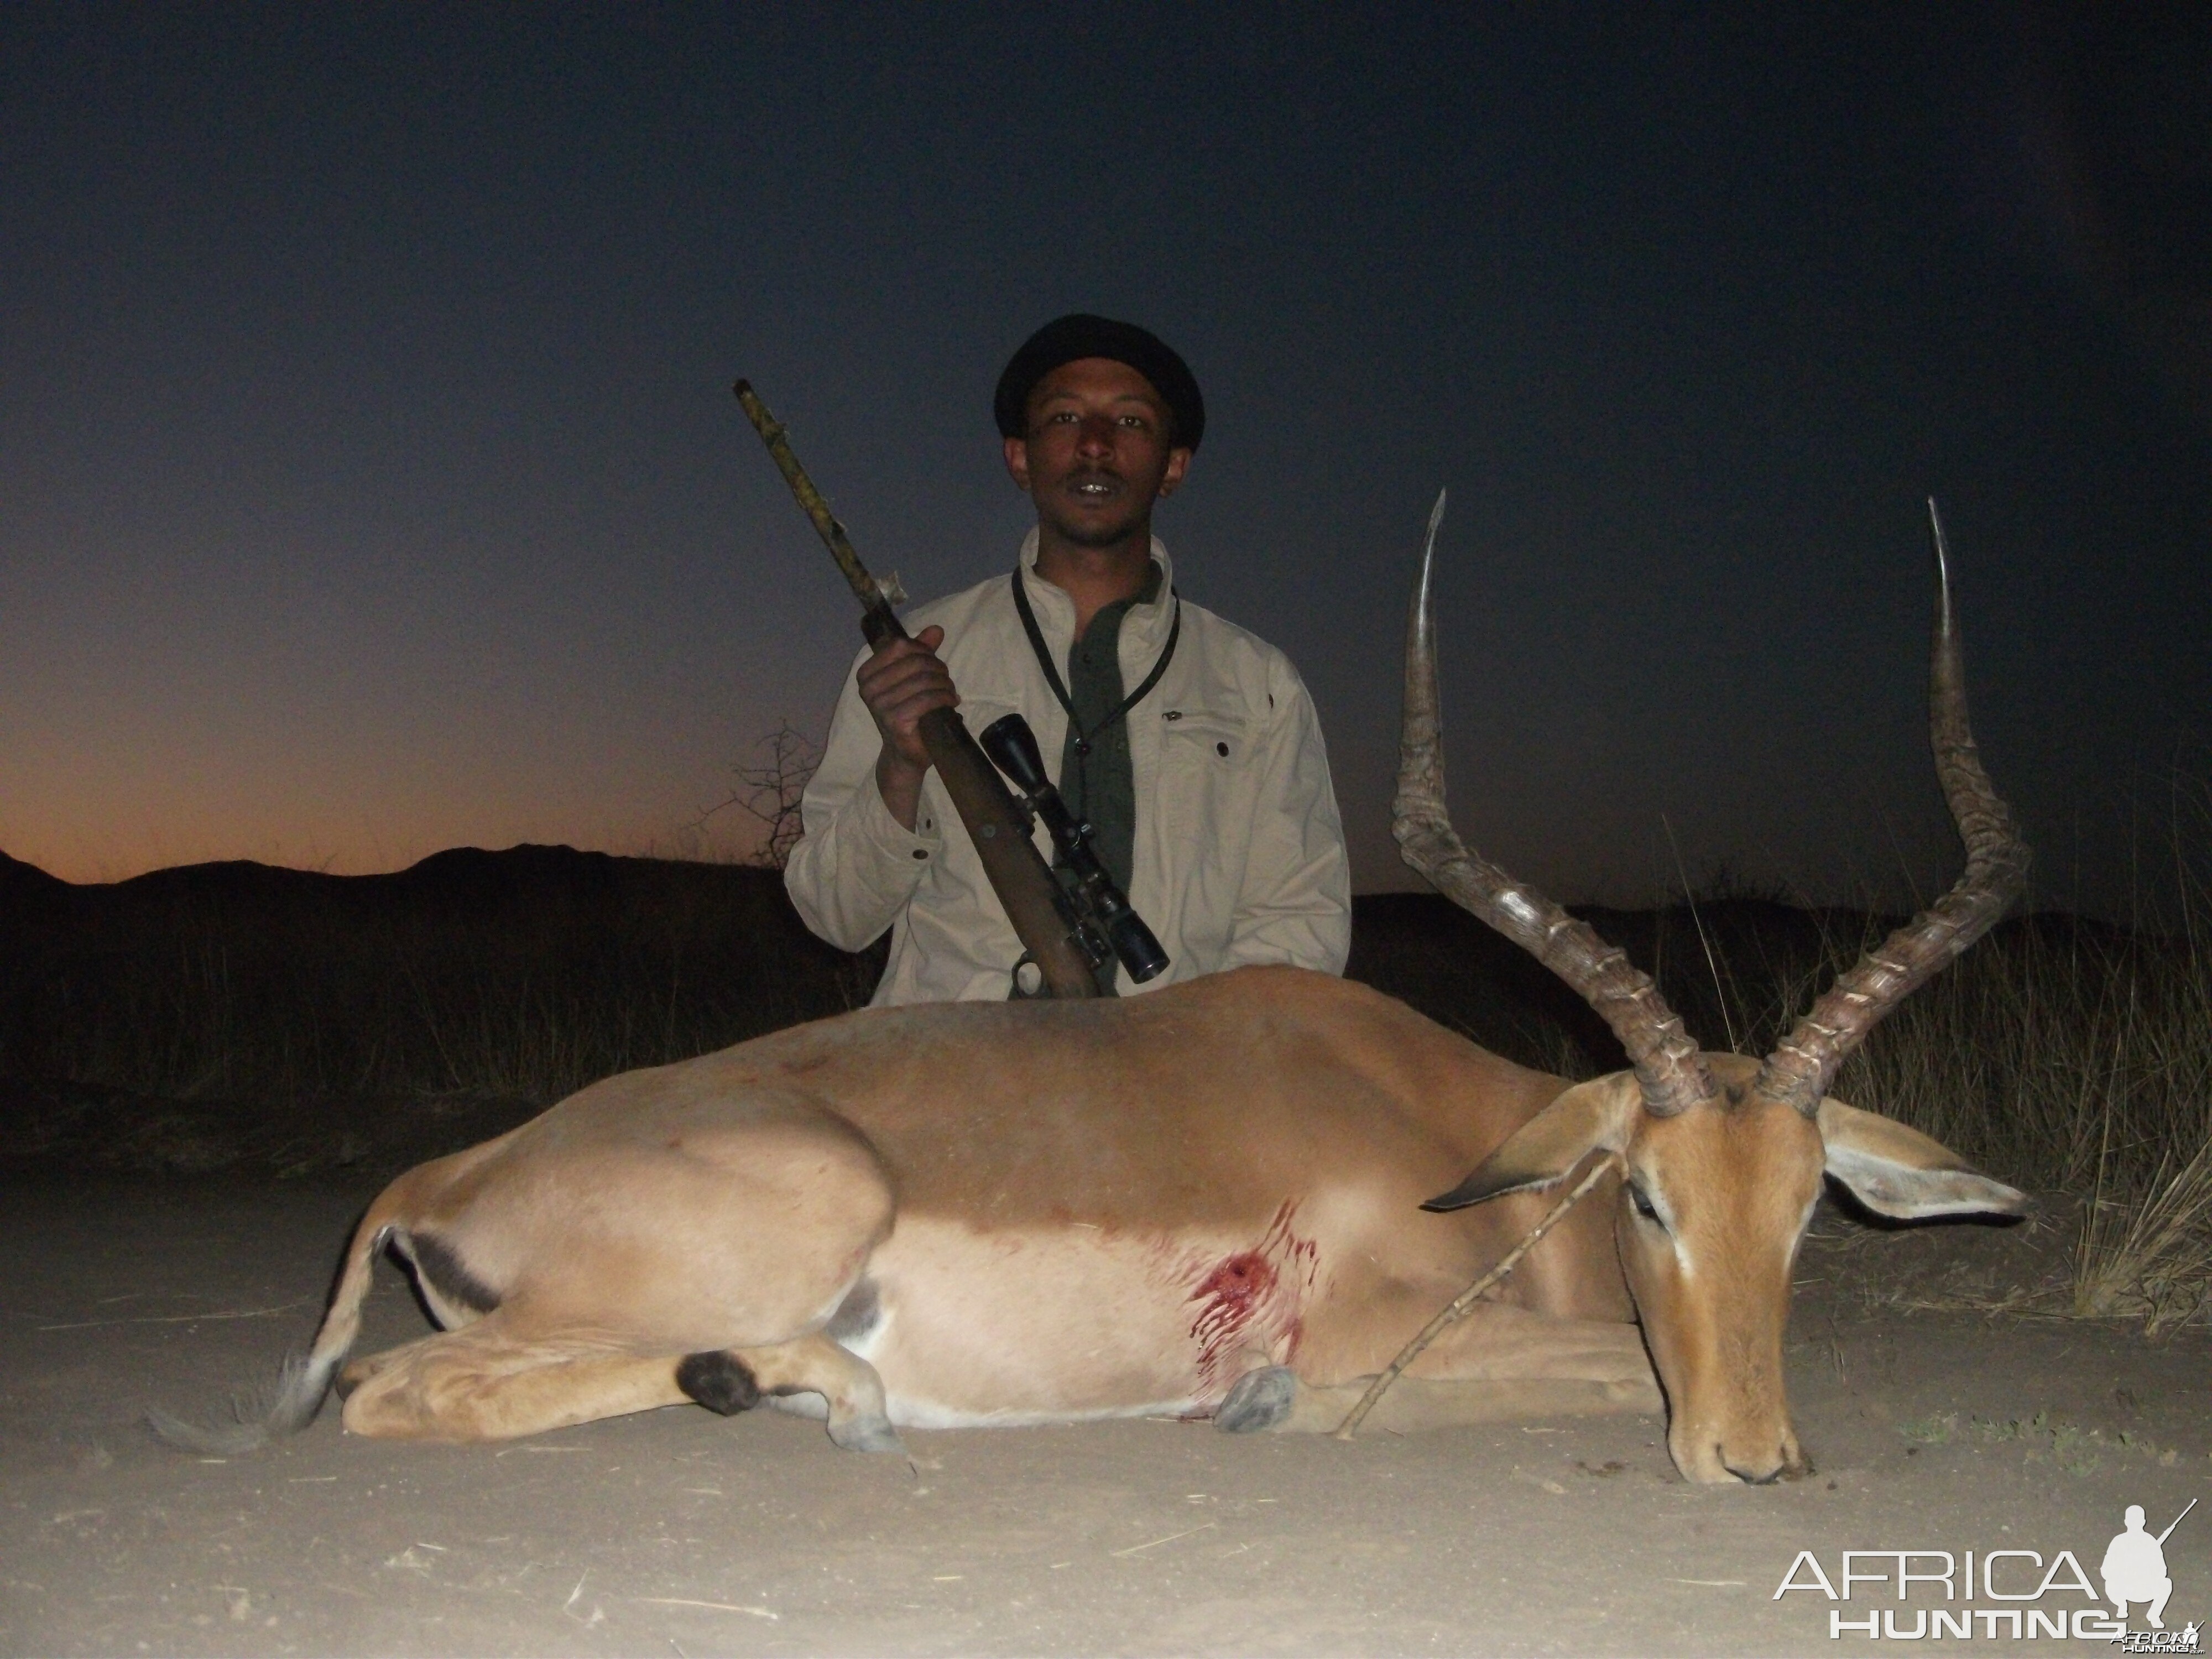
(1672, 1076)
(1798, 1072)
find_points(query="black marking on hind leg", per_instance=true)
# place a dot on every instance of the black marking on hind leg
(446, 1273)
(718, 1380)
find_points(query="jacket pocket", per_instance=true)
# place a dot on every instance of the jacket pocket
(1205, 760)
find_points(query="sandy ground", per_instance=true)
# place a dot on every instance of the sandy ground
(679, 1532)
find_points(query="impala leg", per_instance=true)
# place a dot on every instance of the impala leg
(732, 1380)
(487, 1382)
(359, 1369)
(1498, 1363)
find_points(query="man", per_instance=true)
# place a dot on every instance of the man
(2134, 1569)
(1190, 746)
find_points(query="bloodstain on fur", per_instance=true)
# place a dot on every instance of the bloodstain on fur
(1252, 1300)
(1228, 1296)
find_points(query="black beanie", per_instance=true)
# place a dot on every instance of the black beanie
(1067, 339)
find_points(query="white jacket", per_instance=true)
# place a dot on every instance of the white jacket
(1239, 853)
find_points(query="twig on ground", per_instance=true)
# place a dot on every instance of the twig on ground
(1135, 1548)
(711, 1606)
(176, 1319)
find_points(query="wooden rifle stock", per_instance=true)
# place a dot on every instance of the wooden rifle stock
(1039, 910)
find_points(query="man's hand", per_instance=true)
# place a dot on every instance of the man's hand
(899, 684)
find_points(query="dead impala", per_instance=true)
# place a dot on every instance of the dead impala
(1215, 1200)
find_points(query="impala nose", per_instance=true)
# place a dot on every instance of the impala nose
(1712, 1455)
(1761, 1472)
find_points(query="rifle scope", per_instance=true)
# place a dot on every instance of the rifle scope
(1107, 917)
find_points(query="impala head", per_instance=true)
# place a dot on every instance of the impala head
(1722, 1157)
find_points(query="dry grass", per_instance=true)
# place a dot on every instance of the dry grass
(2076, 1060)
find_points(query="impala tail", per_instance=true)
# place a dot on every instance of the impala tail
(305, 1378)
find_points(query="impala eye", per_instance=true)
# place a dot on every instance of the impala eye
(1643, 1206)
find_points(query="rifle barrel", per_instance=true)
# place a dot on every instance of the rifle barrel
(2178, 1520)
(880, 620)
(1041, 912)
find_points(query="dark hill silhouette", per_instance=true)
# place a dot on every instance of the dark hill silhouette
(29, 895)
(530, 971)
(540, 890)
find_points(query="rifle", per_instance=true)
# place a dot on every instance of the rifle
(1044, 915)
(2177, 1520)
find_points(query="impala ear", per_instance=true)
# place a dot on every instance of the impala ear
(1904, 1175)
(1545, 1150)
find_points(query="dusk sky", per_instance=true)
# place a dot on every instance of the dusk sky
(370, 482)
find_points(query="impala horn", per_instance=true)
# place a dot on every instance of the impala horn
(1668, 1064)
(1798, 1072)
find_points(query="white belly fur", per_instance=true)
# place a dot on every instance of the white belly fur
(1054, 1324)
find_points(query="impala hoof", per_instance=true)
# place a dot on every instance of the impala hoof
(1260, 1400)
(867, 1434)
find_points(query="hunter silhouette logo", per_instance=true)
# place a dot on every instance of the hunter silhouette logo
(2134, 1567)
(2007, 1594)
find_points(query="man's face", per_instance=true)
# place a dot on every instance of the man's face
(1098, 452)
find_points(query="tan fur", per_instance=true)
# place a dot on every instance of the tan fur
(1737, 1183)
(1063, 1210)
(1045, 1212)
